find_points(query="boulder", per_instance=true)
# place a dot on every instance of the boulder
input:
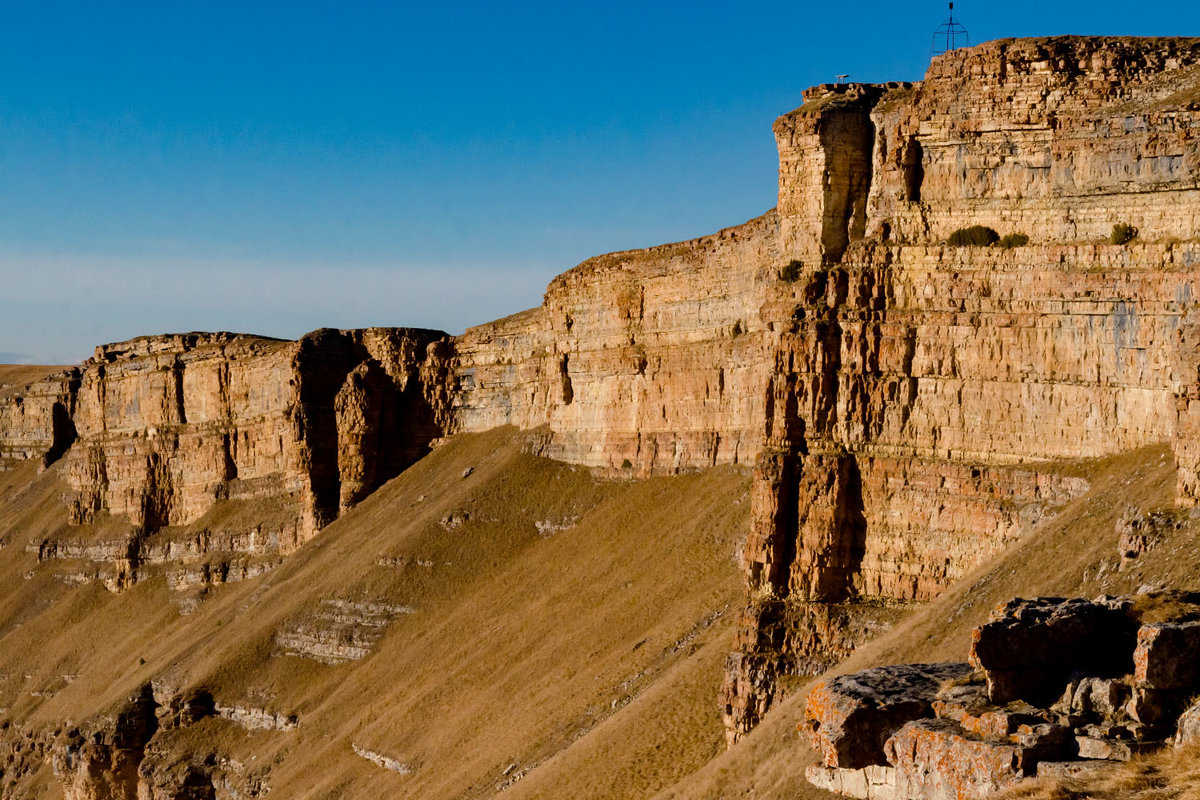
(1103, 749)
(870, 783)
(1188, 730)
(1094, 697)
(849, 718)
(1028, 649)
(1167, 656)
(935, 759)
(1002, 723)
(1155, 708)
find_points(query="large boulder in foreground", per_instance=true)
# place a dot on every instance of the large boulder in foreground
(935, 759)
(1028, 649)
(850, 717)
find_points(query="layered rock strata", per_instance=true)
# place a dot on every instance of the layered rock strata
(125, 756)
(160, 432)
(899, 400)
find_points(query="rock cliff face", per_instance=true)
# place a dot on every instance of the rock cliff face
(901, 402)
(162, 432)
(649, 361)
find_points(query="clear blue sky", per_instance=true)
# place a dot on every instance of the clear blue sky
(277, 167)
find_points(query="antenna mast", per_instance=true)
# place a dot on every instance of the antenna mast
(950, 35)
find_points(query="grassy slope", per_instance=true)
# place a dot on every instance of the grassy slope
(588, 657)
(18, 376)
(587, 660)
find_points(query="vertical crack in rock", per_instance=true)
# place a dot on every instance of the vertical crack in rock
(568, 392)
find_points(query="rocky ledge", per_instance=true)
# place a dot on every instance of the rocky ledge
(1052, 687)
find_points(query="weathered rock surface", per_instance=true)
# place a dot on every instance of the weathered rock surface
(1188, 730)
(1029, 648)
(1140, 533)
(869, 783)
(1167, 656)
(849, 718)
(976, 738)
(936, 759)
(105, 765)
(160, 431)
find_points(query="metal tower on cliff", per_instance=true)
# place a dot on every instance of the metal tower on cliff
(950, 35)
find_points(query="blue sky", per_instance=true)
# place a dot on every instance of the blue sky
(277, 167)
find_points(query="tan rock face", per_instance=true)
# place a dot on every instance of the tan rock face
(1058, 138)
(647, 361)
(161, 430)
(897, 398)
(167, 426)
(36, 420)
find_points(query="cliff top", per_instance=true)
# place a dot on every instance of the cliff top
(177, 343)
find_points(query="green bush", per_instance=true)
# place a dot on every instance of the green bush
(791, 273)
(1014, 240)
(974, 236)
(1123, 234)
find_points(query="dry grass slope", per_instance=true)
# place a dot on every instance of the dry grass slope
(578, 657)
(575, 658)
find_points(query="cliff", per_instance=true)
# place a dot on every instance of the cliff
(179, 447)
(907, 406)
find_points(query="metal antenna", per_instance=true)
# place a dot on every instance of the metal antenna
(950, 35)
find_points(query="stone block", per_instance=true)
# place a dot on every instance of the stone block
(1029, 648)
(850, 717)
(1187, 731)
(1089, 747)
(1168, 656)
(938, 760)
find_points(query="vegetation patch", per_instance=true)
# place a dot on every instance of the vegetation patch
(1123, 233)
(791, 272)
(974, 236)
(1012, 240)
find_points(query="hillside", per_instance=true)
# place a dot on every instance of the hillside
(586, 654)
(600, 548)
(507, 644)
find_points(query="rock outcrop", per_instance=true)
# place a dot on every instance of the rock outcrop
(124, 757)
(851, 717)
(1062, 686)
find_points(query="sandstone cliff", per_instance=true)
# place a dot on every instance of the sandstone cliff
(176, 447)
(902, 401)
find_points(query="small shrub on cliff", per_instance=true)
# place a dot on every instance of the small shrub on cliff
(1014, 240)
(974, 236)
(1123, 234)
(791, 273)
